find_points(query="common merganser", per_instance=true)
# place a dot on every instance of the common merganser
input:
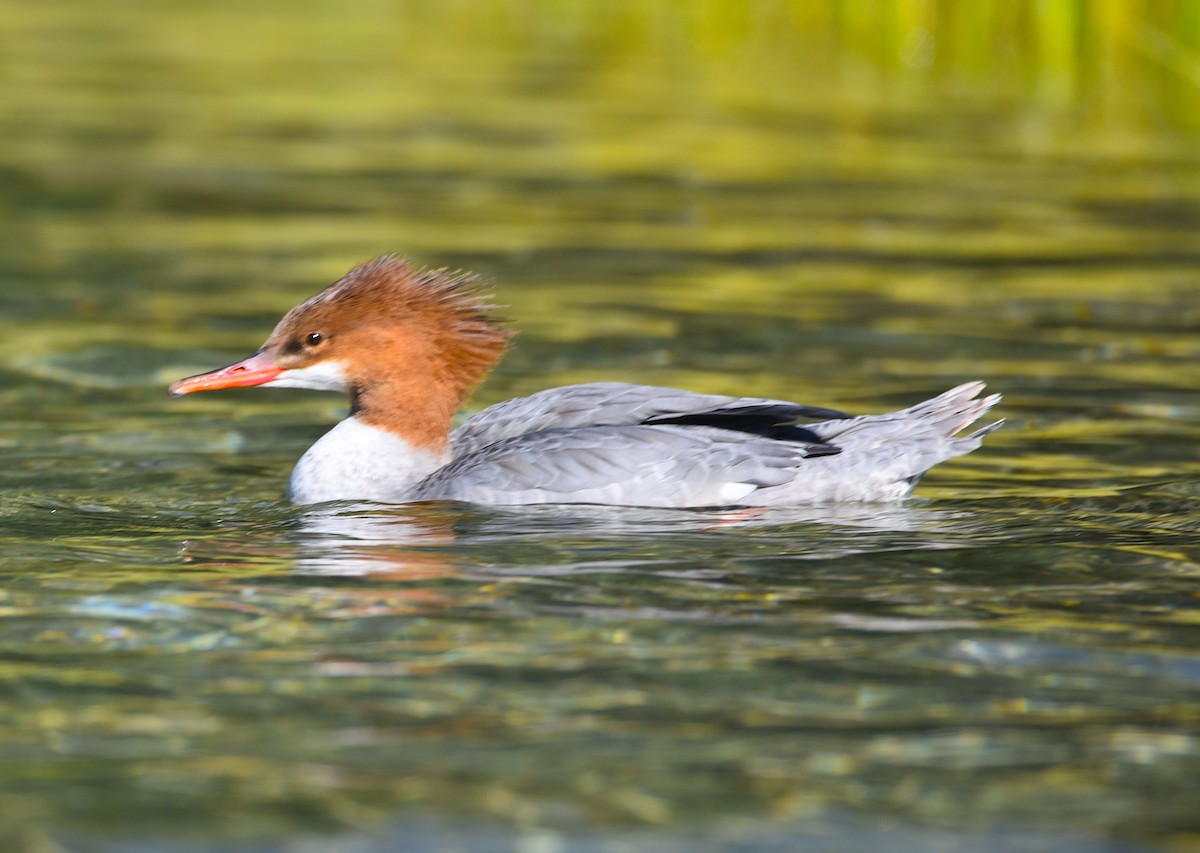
(408, 345)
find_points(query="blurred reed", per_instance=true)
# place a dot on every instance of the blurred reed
(1128, 64)
(1109, 62)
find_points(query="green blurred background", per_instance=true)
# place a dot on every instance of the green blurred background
(194, 125)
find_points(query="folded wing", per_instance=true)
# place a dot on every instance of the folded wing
(623, 404)
(641, 465)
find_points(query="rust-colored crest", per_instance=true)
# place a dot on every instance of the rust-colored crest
(412, 342)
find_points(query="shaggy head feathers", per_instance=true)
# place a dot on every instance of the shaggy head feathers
(406, 339)
(386, 299)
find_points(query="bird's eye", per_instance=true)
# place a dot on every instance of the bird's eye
(313, 339)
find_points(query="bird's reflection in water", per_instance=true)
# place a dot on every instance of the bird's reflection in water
(400, 543)
(419, 541)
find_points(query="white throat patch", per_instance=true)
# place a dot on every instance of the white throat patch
(322, 376)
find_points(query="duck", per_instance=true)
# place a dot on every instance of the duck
(409, 344)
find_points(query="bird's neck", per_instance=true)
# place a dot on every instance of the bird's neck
(413, 406)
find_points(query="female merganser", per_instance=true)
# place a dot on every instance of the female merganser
(408, 345)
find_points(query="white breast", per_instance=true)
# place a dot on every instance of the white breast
(355, 461)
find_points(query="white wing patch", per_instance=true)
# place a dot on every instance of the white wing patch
(733, 492)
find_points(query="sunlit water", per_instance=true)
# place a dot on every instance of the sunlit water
(1008, 662)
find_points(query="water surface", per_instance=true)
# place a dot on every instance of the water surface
(1008, 662)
